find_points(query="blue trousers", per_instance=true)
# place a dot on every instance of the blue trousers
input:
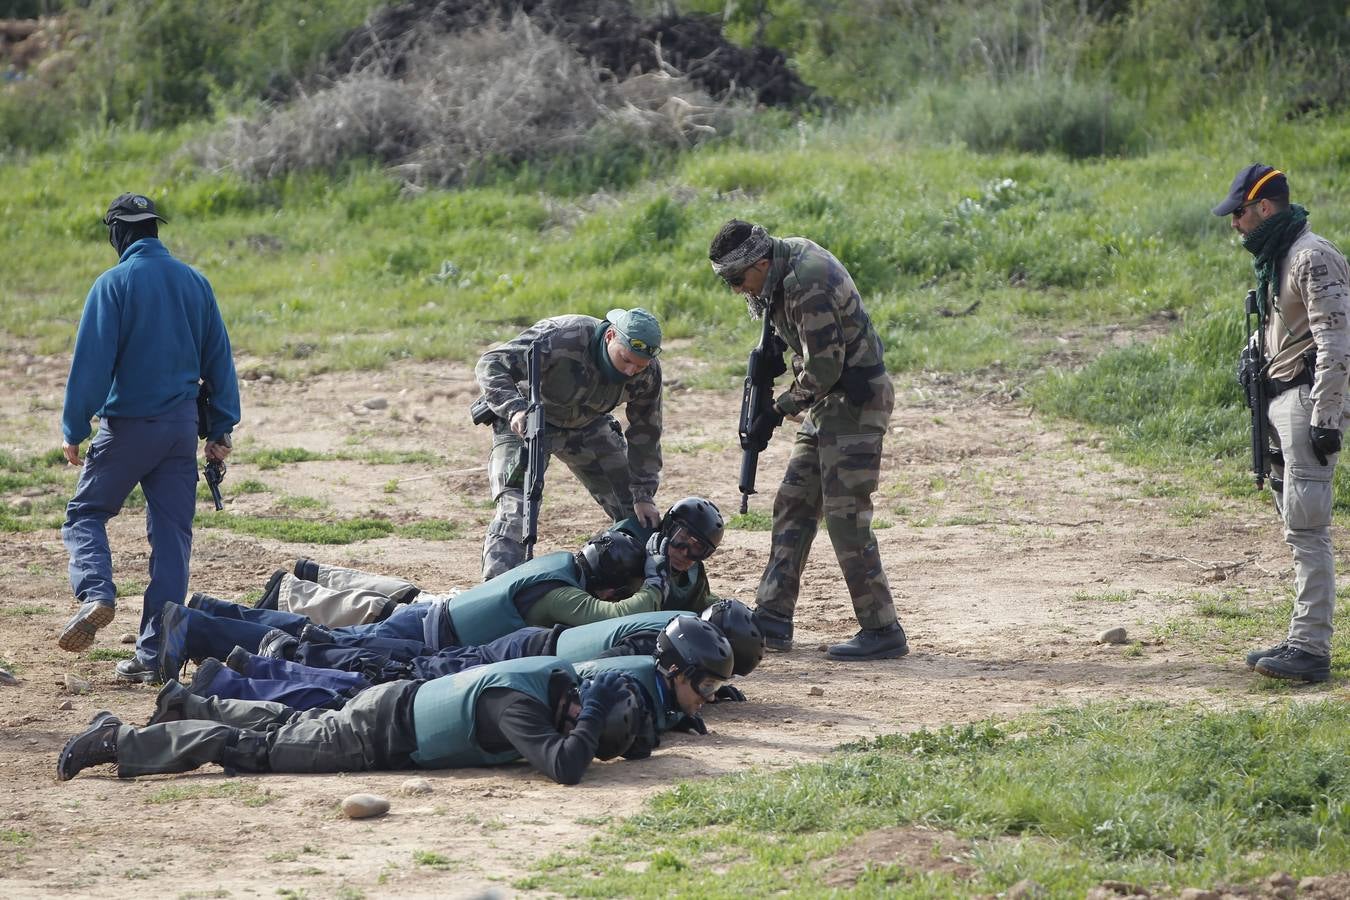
(406, 624)
(227, 684)
(159, 454)
(217, 627)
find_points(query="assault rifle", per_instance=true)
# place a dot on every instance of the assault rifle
(1252, 377)
(766, 364)
(535, 452)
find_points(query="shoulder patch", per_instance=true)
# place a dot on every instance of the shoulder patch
(1318, 271)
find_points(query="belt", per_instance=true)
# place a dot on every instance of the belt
(1275, 387)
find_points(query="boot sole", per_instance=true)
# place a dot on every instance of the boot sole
(80, 631)
(1317, 678)
(887, 654)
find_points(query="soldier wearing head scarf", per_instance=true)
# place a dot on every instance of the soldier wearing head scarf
(590, 367)
(1301, 287)
(842, 392)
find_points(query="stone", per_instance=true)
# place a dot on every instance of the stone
(364, 806)
(1281, 879)
(413, 787)
(66, 705)
(1192, 893)
(75, 685)
(21, 507)
(1026, 889)
(1309, 883)
(1115, 635)
(375, 403)
(816, 691)
(127, 637)
(7, 677)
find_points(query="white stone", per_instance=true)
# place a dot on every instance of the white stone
(364, 806)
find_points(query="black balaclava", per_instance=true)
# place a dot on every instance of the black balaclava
(123, 234)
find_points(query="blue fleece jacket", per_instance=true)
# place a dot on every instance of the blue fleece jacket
(150, 330)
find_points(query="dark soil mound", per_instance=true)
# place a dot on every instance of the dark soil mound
(608, 32)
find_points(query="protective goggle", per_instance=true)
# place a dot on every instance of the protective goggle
(695, 548)
(638, 345)
(707, 686)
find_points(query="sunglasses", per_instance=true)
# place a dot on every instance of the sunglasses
(1242, 210)
(638, 345)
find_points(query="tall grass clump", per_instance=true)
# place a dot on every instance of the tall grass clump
(469, 103)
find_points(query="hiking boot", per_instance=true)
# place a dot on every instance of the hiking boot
(1257, 655)
(307, 570)
(198, 600)
(278, 644)
(135, 671)
(238, 660)
(271, 591)
(777, 629)
(316, 634)
(94, 746)
(173, 624)
(872, 643)
(1294, 664)
(169, 704)
(80, 630)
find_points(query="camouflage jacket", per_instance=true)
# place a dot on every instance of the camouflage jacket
(818, 312)
(576, 391)
(1312, 306)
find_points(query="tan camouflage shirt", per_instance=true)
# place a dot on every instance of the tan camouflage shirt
(1313, 306)
(576, 391)
(817, 310)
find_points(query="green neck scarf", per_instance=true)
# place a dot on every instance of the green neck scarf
(1270, 241)
(607, 370)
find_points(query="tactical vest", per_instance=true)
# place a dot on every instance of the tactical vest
(484, 613)
(685, 591)
(585, 642)
(444, 709)
(660, 699)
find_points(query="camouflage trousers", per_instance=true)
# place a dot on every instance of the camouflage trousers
(596, 453)
(832, 472)
(342, 596)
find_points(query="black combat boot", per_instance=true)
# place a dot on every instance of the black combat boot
(1294, 664)
(873, 643)
(1257, 655)
(94, 746)
(777, 629)
(307, 570)
(271, 591)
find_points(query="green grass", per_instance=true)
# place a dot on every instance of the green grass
(431, 530)
(302, 531)
(108, 654)
(247, 793)
(1146, 793)
(431, 859)
(26, 610)
(754, 520)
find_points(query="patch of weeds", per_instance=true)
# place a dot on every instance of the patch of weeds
(754, 520)
(1102, 596)
(108, 654)
(248, 486)
(131, 589)
(1134, 651)
(140, 874)
(283, 856)
(594, 820)
(204, 895)
(391, 486)
(431, 530)
(15, 838)
(431, 859)
(882, 524)
(967, 519)
(1193, 510)
(303, 531)
(392, 457)
(275, 459)
(294, 503)
(347, 892)
(26, 610)
(293, 893)
(245, 792)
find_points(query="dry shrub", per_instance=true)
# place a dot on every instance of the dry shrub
(465, 102)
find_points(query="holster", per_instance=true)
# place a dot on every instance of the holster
(855, 382)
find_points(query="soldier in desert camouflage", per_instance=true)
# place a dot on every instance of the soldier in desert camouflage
(1301, 285)
(590, 367)
(843, 395)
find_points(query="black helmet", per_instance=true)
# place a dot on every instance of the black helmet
(613, 560)
(622, 722)
(701, 517)
(695, 648)
(734, 619)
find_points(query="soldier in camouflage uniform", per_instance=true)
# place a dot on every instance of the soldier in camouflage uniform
(590, 366)
(1302, 284)
(841, 388)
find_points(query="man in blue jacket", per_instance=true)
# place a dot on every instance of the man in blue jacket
(150, 335)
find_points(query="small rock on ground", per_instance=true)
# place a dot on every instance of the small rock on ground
(1115, 635)
(364, 806)
(412, 787)
(75, 685)
(7, 677)
(127, 638)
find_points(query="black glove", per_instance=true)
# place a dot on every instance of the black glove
(691, 725)
(602, 692)
(762, 428)
(1325, 441)
(730, 692)
(657, 568)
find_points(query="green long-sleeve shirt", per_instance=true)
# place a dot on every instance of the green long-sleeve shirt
(573, 606)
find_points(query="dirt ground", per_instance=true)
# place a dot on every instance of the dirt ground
(1008, 547)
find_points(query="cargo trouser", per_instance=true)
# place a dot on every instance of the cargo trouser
(343, 596)
(1305, 505)
(160, 454)
(833, 471)
(596, 453)
(373, 731)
